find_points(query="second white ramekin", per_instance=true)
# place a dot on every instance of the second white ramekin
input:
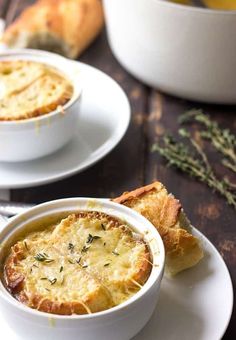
(29, 139)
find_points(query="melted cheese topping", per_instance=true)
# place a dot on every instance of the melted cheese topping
(90, 258)
(29, 89)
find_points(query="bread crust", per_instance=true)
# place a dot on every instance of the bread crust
(104, 285)
(69, 25)
(183, 250)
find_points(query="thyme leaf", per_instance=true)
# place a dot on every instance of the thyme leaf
(91, 238)
(43, 257)
(78, 261)
(26, 246)
(53, 281)
(85, 249)
(71, 246)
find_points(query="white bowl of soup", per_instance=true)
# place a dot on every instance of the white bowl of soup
(79, 268)
(39, 104)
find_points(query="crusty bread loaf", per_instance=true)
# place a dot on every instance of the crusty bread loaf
(183, 250)
(66, 27)
(86, 263)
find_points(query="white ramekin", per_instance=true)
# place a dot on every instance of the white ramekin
(119, 323)
(29, 139)
(182, 50)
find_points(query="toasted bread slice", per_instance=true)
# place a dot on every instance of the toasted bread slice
(86, 263)
(183, 250)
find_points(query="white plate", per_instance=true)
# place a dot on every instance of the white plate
(104, 119)
(196, 304)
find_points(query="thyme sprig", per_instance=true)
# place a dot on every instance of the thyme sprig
(195, 163)
(222, 139)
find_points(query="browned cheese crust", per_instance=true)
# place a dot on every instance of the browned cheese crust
(93, 262)
(30, 89)
(183, 250)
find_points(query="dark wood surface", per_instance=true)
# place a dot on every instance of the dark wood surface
(132, 164)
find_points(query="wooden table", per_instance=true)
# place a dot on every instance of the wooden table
(132, 164)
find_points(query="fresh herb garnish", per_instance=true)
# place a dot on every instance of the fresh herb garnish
(91, 238)
(43, 278)
(195, 163)
(53, 281)
(115, 253)
(103, 226)
(223, 140)
(71, 246)
(78, 261)
(84, 266)
(85, 248)
(89, 241)
(43, 257)
(61, 269)
(26, 246)
(70, 261)
(104, 244)
(106, 264)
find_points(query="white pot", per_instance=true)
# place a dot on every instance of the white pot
(182, 50)
(28, 139)
(118, 323)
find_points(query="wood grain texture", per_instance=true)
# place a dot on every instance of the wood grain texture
(4, 4)
(132, 164)
(206, 210)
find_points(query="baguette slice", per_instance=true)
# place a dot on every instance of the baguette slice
(183, 250)
(66, 27)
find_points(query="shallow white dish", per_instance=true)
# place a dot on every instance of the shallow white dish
(196, 304)
(104, 119)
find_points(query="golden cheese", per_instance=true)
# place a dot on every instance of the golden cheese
(86, 263)
(29, 89)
